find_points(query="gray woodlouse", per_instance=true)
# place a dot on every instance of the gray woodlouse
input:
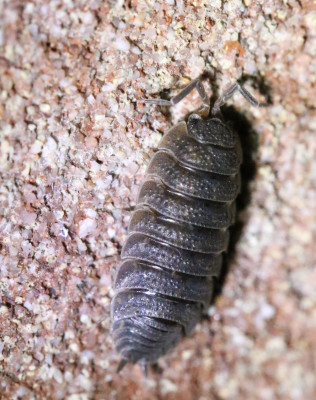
(178, 232)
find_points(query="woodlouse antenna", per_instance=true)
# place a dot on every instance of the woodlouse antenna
(203, 111)
(195, 84)
(230, 92)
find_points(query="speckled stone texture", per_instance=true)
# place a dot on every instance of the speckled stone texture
(74, 148)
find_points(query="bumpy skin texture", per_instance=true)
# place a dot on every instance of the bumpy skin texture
(177, 235)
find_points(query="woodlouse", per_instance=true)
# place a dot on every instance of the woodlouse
(178, 232)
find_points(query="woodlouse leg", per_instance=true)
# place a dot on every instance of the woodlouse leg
(195, 84)
(229, 93)
(144, 367)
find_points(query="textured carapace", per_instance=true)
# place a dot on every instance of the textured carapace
(177, 233)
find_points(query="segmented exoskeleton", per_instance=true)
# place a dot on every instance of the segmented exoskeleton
(178, 232)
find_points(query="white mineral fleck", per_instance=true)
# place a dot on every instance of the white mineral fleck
(167, 386)
(122, 44)
(45, 108)
(86, 227)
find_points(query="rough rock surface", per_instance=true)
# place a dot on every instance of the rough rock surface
(74, 147)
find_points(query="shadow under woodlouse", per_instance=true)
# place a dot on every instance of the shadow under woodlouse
(249, 143)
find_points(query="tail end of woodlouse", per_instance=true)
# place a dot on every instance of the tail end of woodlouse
(121, 365)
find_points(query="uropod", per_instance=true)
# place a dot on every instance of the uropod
(178, 231)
